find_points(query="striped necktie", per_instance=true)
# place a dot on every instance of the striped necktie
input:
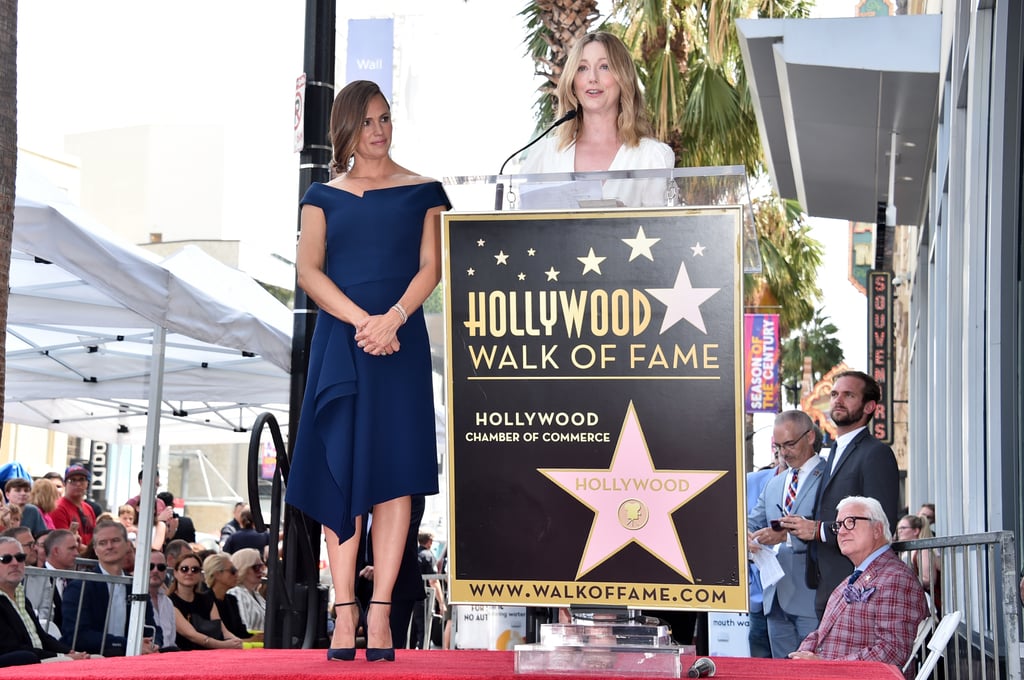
(791, 493)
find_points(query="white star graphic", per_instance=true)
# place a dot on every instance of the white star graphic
(591, 263)
(480, 243)
(683, 301)
(641, 245)
(531, 252)
(501, 257)
(552, 274)
(698, 250)
(470, 272)
(522, 276)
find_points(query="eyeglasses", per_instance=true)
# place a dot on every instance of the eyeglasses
(158, 567)
(788, 446)
(29, 545)
(848, 523)
(233, 571)
(187, 570)
(77, 480)
(6, 559)
(258, 567)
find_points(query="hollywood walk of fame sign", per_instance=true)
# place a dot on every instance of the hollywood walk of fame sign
(594, 420)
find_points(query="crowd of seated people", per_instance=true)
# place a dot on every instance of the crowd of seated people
(194, 592)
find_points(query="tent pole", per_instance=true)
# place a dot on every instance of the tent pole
(147, 501)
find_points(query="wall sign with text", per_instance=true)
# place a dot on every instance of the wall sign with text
(880, 350)
(595, 409)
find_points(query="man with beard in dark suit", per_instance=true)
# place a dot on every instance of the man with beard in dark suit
(858, 465)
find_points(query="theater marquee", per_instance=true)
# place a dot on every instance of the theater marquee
(594, 419)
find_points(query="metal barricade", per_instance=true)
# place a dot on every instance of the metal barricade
(39, 587)
(978, 576)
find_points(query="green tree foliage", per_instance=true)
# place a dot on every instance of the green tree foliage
(816, 340)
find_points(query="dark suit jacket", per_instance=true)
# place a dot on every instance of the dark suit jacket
(14, 636)
(866, 468)
(91, 631)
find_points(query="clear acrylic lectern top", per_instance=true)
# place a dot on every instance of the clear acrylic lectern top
(610, 190)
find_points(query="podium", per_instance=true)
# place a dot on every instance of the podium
(672, 187)
(594, 413)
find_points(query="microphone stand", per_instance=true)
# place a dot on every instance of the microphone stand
(499, 188)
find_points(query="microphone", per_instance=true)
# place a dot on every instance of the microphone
(701, 668)
(500, 188)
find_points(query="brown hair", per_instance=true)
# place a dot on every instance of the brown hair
(633, 123)
(174, 580)
(347, 115)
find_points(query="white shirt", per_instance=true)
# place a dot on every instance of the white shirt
(843, 441)
(634, 193)
(251, 606)
(118, 605)
(163, 612)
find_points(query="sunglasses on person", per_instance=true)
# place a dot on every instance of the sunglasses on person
(233, 571)
(158, 567)
(188, 570)
(6, 559)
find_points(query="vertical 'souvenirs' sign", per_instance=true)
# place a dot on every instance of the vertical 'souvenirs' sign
(594, 409)
(880, 350)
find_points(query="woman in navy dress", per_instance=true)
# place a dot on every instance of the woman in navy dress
(369, 254)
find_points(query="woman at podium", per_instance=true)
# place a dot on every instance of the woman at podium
(369, 254)
(611, 130)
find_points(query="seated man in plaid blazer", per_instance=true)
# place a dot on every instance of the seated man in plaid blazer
(874, 615)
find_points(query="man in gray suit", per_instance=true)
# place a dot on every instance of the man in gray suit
(858, 465)
(789, 603)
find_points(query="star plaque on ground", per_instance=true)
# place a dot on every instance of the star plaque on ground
(632, 501)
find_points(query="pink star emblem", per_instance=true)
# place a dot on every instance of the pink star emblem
(632, 501)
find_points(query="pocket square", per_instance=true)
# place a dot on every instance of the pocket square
(854, 593)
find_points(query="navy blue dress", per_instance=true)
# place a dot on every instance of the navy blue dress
(366, 432)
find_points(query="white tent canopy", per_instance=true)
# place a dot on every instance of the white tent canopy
(83, 314)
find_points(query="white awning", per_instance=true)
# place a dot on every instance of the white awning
(828, 94)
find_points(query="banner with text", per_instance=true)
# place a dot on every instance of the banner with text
(762, 354)
(594, 420)
(371, 52)
(880, 352)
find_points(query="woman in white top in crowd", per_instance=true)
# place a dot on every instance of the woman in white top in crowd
(611, 130)
(251, 603)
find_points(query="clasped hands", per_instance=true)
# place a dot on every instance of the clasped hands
(376, 335)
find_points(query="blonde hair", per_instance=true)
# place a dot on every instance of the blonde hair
(244, 560)
(213, 565)
(44, 495)
(633, 123)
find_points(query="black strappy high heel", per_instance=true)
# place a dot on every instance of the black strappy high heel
(378, 653)
(343, 653)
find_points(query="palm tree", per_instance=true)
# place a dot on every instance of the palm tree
(690, 64)
(8, 161)
(553, 27)
(790, 258)
(815, 340)
(695, 83)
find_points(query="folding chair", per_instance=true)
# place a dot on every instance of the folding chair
(923, 629)
(937, 645)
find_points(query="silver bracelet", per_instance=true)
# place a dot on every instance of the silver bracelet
(401, 311)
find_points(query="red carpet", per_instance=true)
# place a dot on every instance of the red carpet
(310, 664)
